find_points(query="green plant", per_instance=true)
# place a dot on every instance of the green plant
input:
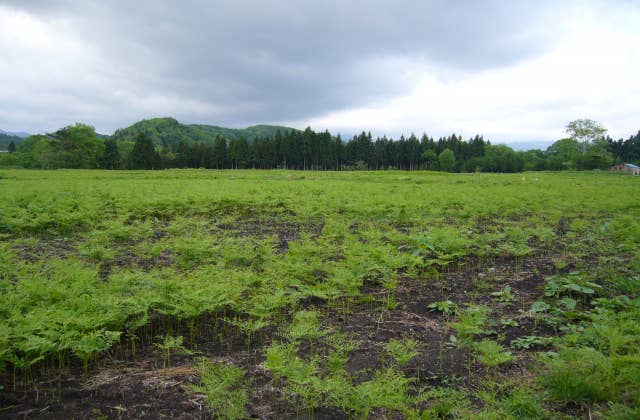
(339, 355)
(618, 411)
(99, 415)
(171, 344)
(281, 358)
(250, 327)
(402, 351)
(445, 403)
(470, 322)
(508, 322)
(492, 354)
(539, 307)
(574, 283)
(530, 341)
(505, 295)
(525, 404)
(388, 389)
(447, 307)
(305, 325)
(628, 284)
(582, 374)
(439, 247)
(225, 389)
(301, 375)
(88, 345)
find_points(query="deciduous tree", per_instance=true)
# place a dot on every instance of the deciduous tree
(585, 132)
(447, 160)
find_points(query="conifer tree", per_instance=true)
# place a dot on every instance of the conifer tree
(144, 154)
(219, 152)
(111, 156)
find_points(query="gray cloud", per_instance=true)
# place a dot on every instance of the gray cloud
(266, 60)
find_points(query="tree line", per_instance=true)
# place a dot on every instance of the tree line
(78, 146)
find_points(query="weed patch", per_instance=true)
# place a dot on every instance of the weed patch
(251, 294)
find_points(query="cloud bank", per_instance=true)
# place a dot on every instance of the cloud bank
(511, 70)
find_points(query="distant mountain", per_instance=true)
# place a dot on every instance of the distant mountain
(20, 134)
(169, 131)
(6, 139)
(530, 145)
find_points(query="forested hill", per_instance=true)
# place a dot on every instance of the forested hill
(168, 131)
(6, 139)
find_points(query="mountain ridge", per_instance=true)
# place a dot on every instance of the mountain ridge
(19, 134)
(168, 130)
(6, 139)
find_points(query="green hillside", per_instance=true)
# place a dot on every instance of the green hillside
(6, 139)
(169, 131)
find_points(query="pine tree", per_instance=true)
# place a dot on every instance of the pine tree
(111, 156)
(144, 155)
(238, 152)
(414, 152)
(219, 152)
(340, 152)
(12, 147)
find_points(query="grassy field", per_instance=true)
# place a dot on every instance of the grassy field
(275, 294)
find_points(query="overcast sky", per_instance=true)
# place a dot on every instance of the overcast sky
(511, 70)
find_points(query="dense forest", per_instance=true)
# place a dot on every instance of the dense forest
(166, 131)
(164, 143)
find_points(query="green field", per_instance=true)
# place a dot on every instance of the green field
(281, 294)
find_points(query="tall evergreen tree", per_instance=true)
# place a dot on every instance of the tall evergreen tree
(144, 154)
(279, 148)
(308, 139)
(182, 152)
(414, 152)
(238, 152)
(219, 152)
(340, 152)
(111, 156)
(12, 147)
